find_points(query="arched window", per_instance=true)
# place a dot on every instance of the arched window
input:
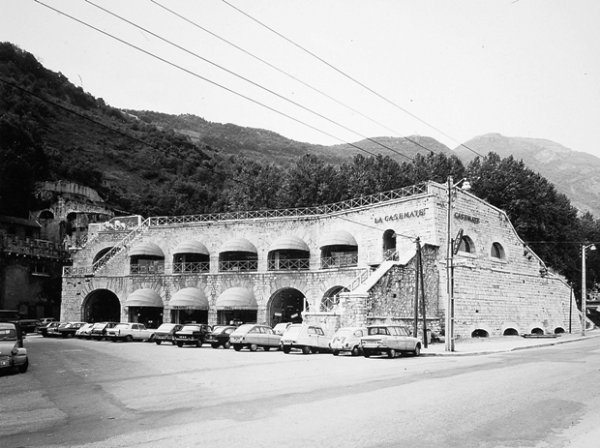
(466, 245)
(498, 251)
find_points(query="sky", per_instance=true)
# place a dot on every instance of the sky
(447, 69)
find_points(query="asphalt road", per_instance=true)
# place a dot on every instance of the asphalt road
(103, 394)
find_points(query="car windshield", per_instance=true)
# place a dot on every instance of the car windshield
(379, 330)
(190, 328)
(8, 334)
(293, 331)
(242, 329)
(166, 327)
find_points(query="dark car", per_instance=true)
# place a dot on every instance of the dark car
(43, 323)
(166, 333)
(195, 334)
(54, 331)
(220, 336)
(47, 329)
(99, 329)
(69, 330)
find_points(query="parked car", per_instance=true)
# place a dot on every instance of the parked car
(389, 339)
(281, 327)
(219, 336)
(84, 331)
(69, 330)
(99, 329)
(308, 338)
(27, 325)
(347, 339)
(47, 330)
(12, 353)
(129, 331)
(194, 334)
(254, 336)
(42, 323)
(53, 331)
(166, 332)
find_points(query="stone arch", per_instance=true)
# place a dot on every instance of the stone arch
(510, 332)
(559, 330)
(466, 245)
(537, 330)
(286, 305)
(46, 215)
(101, 305)
(479, 333)
(101, 253)
(497, 251)
(331, 297)
(510, 328)
(389, 242)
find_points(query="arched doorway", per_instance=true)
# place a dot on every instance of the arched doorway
(389, 243)
(331, 299)
(286, 305)
(100, 254)
(101, 305)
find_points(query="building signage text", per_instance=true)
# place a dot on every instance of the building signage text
(464, 217)
(399, 216)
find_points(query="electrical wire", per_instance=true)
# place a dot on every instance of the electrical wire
(196, 75)
(237, 75)
(289, 75)
(346, 75)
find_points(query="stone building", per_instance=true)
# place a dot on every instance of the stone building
(342, 264)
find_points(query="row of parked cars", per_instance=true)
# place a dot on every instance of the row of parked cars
(390, 340)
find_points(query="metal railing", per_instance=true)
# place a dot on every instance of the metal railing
(31, 247)
(194, 267)
(146, 269)
(301, 264)
(339, 261)
(238, 266)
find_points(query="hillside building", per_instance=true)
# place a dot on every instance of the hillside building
(342, 264)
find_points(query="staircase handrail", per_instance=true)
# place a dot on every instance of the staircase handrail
(104, 259)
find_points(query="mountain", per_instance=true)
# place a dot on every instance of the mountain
(268, 146)
(575, 174)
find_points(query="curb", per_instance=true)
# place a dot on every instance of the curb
(512, 349)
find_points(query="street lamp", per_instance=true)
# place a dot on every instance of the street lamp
(583, 287)
(450, 249)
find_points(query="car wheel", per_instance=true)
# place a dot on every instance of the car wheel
(180, 344)
(215, 345)
(237, 347)
(253, 347)
(158, 342)
(23, 367)
(306, 350)
(199, 343)
(129, 338)
(286, 349)
(335, 352)
(391, 353)
(417, 350)
(227, 345)
(266, 348)
(355, 351)
(366, 354)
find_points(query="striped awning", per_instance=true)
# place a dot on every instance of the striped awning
(238, 245)
(191, 247)
(146, 248)
(289, 243)
(144, 297)
(237, 299)
(337, 238)
(190, 299)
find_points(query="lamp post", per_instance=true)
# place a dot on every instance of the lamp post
(449, 333)
(583, 287)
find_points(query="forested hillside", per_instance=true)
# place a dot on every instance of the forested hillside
(51, 130)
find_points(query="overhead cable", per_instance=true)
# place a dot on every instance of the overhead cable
(346, 75)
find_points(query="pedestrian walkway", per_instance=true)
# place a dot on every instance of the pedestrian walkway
(482, 346)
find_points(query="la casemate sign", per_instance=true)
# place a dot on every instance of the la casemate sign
(400, 216)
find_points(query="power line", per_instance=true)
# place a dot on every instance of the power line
(196, 75)
(346, 75)
(289, 75)
(231, 72)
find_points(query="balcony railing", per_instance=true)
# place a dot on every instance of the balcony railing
(301, 264)
(238, 266)
(136, 269)
(11, 244)
(196, 267)
(339, 261)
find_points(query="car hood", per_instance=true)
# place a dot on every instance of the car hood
(7, 346)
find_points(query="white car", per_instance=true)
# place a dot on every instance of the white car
(391, 340)
(84, 331)
(129, 332)
(347, 339)
(254, 336)
(12, 353)
(308, 338)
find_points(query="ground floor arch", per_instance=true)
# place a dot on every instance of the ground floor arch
(101, 305)
(286, 305)
(331, 298)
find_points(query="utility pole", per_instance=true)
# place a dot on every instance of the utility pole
(423, 303)
(449, 331)
(583, 287)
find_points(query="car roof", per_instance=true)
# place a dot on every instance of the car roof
(7, 326)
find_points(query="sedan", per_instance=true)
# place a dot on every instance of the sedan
(220, 336)
(166, 333)
(254, 336)
(347, 339)
(391, 340)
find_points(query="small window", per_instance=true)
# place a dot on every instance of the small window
(497, 251)
(320, 332)
(466, 245)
